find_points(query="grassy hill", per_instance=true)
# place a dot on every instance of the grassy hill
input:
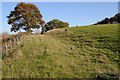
(80, 52)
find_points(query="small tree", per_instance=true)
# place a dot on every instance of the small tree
(25, 16)
(62, 24)
(55, 23)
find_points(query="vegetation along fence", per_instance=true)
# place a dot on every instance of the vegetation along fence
(9, 42)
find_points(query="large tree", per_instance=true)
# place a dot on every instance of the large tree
(25, 16)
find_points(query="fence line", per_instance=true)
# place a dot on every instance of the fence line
(9, 42)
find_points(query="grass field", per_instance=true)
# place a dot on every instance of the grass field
(80, 52)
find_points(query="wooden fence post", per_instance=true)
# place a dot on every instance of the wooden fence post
(6, 47)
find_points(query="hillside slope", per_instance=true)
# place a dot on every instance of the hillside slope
(80, 52)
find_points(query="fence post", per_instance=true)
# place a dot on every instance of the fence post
(10, 43)
(6, 47)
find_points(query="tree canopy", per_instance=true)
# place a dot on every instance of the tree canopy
(112, 20)
(25, 16)
(55, 23)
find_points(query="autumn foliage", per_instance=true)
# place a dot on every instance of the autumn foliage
(25, 16)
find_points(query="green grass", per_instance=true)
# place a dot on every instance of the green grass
(81, 52)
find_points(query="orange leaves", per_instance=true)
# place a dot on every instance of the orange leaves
(25, 16)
